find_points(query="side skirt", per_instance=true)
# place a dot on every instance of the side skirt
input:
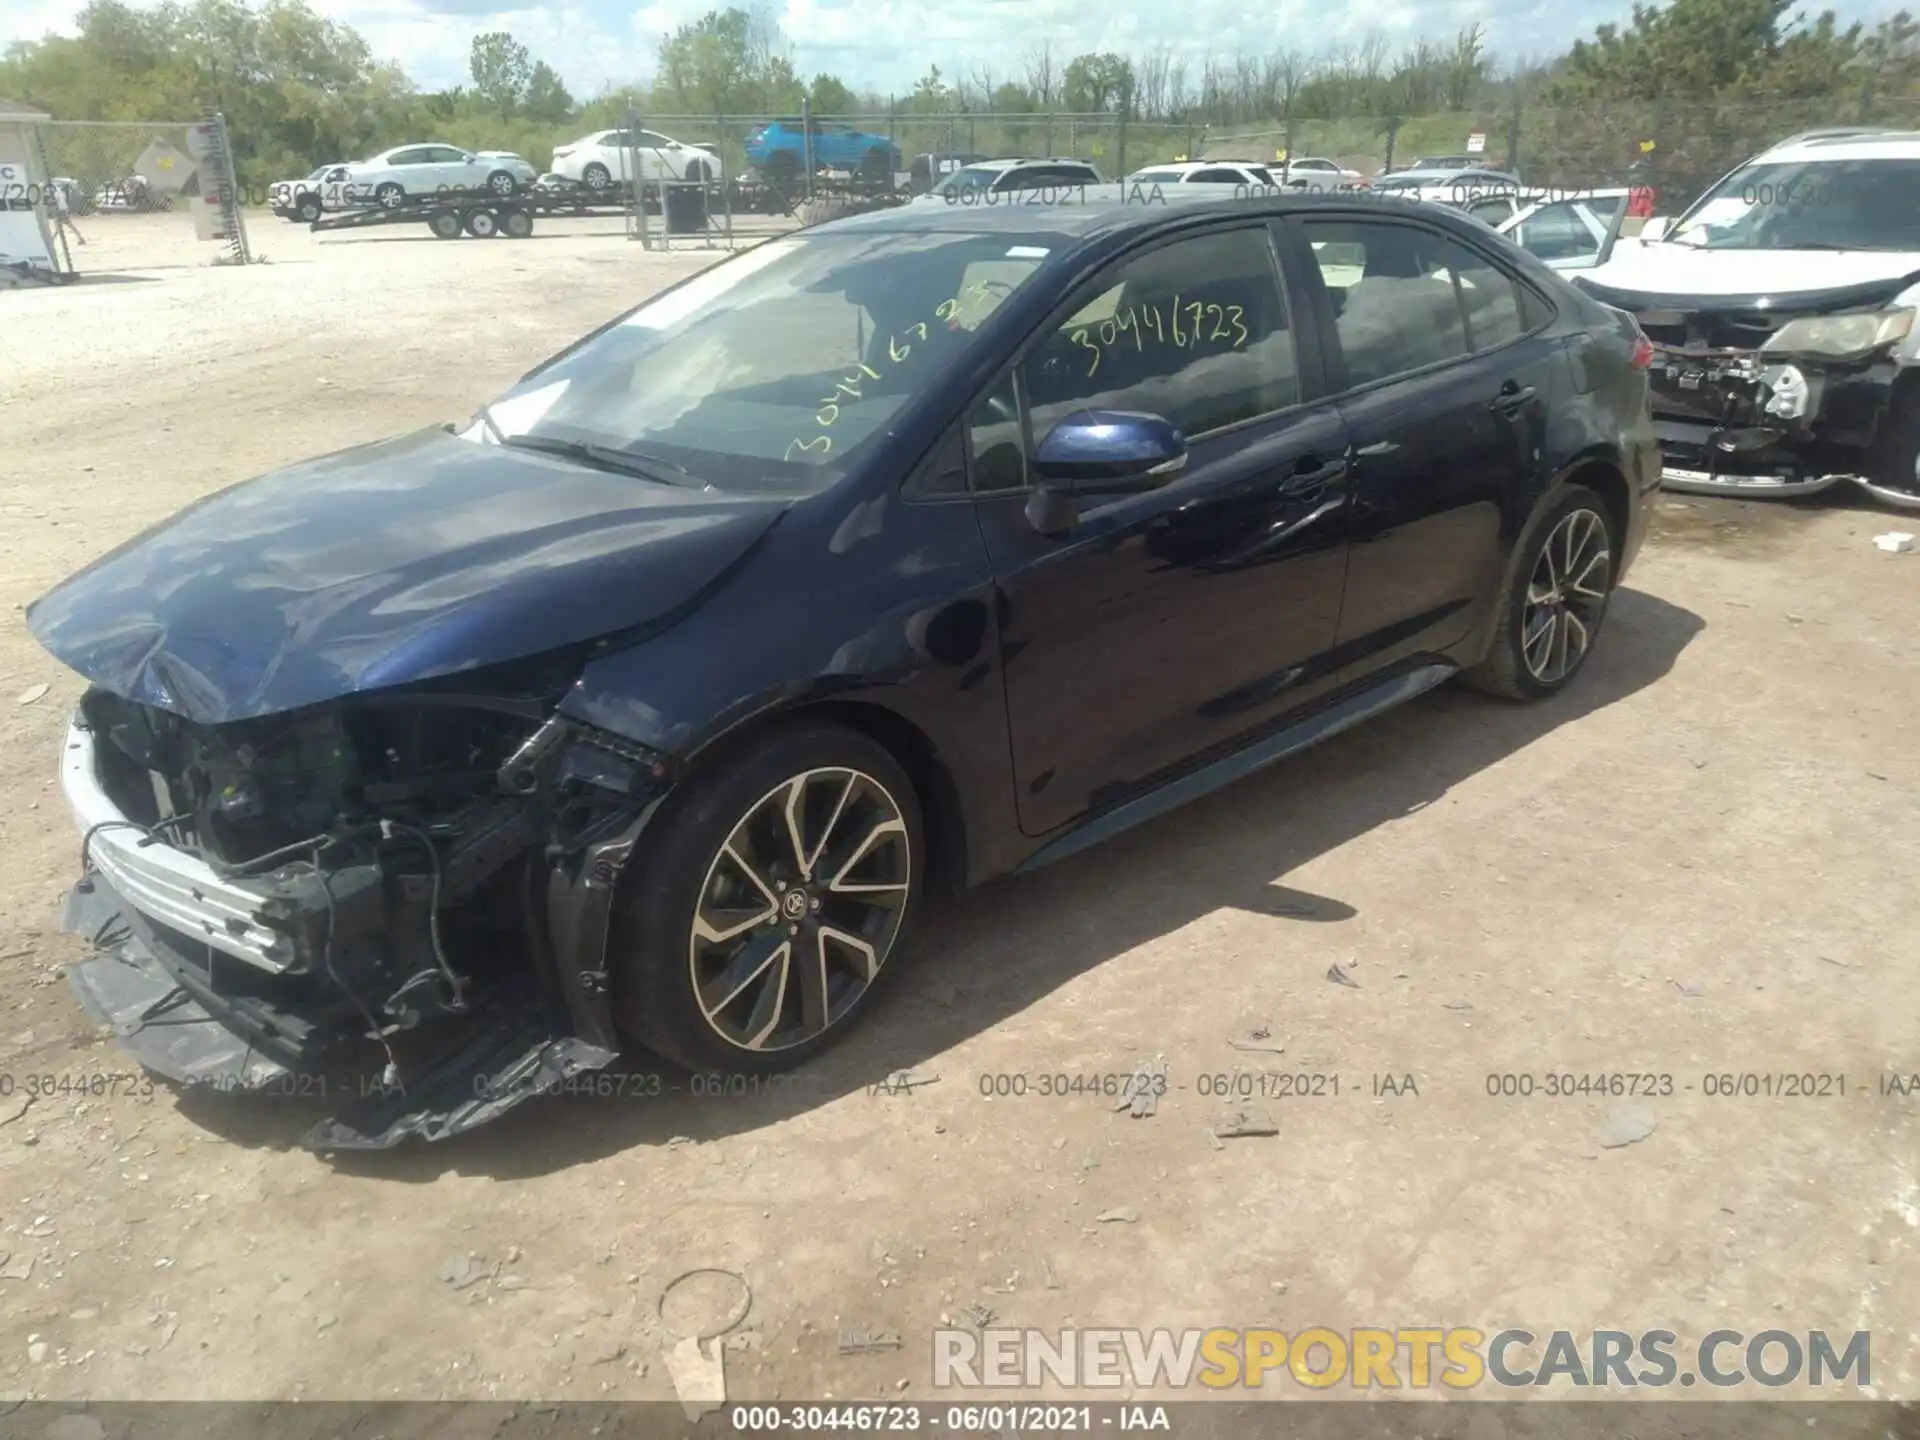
(1170, 795)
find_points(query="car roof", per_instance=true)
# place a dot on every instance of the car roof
(1109, 209)
(1887, 145)
(1191, 165)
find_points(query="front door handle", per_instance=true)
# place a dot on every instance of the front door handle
(1310, 478)
(1512, 396)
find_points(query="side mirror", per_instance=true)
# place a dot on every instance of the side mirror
(1110, 452)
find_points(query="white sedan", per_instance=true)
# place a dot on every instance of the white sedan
(1205, 172)
(416, 172)
(1312, 172)
(608, 158)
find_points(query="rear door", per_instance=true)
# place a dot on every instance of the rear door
(1444, 380)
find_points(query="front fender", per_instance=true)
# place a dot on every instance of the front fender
(887, 604)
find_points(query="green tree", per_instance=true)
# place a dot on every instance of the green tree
(829, 96)
(502, 71)
(546, 100)
(1096, 83)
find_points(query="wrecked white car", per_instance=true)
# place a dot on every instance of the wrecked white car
(1782, 309)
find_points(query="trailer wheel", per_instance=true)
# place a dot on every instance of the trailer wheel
(445, 224)
(482, 225)
(516, 224)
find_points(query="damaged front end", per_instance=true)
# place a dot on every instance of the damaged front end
(400, 897)
(1765, 403)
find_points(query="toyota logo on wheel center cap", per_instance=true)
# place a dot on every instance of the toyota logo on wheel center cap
(795, 904)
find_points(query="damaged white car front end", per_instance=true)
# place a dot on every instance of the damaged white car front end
(1782, 310)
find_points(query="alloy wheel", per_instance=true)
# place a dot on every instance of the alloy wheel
(800, 909)
(1566, 596)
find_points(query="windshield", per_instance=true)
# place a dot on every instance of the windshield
(772, 370)
(1809, 205)
(973, 177)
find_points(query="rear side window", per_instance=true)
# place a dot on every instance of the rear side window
(1489, 296)
(1394, 302)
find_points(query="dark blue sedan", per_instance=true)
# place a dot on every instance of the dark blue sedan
(905, 552)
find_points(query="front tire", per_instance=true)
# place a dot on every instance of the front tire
(389, 195)
(1552, 611)
(760, 927)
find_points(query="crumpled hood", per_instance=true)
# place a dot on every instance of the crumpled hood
(389, 563)
(1689, 272)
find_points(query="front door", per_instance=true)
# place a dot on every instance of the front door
(1447, 385)
(1166, 624)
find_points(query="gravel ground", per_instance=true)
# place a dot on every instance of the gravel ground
(1699, 862)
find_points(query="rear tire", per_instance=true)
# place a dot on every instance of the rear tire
(596, 177)
(1551, 613)
(502, 183)
(698, 172)
(760, 927)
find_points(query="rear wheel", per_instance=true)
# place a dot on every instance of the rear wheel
(1552, 611)
(596, 177)
(501, 182)
(761, 926)
(698, 172)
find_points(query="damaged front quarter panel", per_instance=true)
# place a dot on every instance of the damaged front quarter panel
(441, 940)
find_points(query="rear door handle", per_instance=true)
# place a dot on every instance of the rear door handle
(1310, 478)
(1512, 396)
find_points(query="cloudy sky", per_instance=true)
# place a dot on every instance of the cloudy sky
(596, 44)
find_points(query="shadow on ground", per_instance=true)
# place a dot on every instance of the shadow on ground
(960, 976)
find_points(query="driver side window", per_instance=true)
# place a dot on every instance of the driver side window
(1196, 331)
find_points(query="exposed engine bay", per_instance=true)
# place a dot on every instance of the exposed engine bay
(1740, 412)
(400, 897)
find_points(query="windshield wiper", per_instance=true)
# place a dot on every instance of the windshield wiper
(608, 457)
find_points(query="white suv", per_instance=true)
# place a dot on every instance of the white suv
(1785, 320)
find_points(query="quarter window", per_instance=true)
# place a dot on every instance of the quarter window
(1489, 296)
(1394, 302)
(1196, 331)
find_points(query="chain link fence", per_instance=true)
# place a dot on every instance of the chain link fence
(1678, 146)
(130, 190)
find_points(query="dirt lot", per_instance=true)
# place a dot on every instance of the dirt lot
(1701, 862)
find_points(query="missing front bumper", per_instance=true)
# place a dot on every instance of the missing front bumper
(175, 1022)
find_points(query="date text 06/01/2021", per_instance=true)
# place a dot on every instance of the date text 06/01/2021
(994, 1420)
